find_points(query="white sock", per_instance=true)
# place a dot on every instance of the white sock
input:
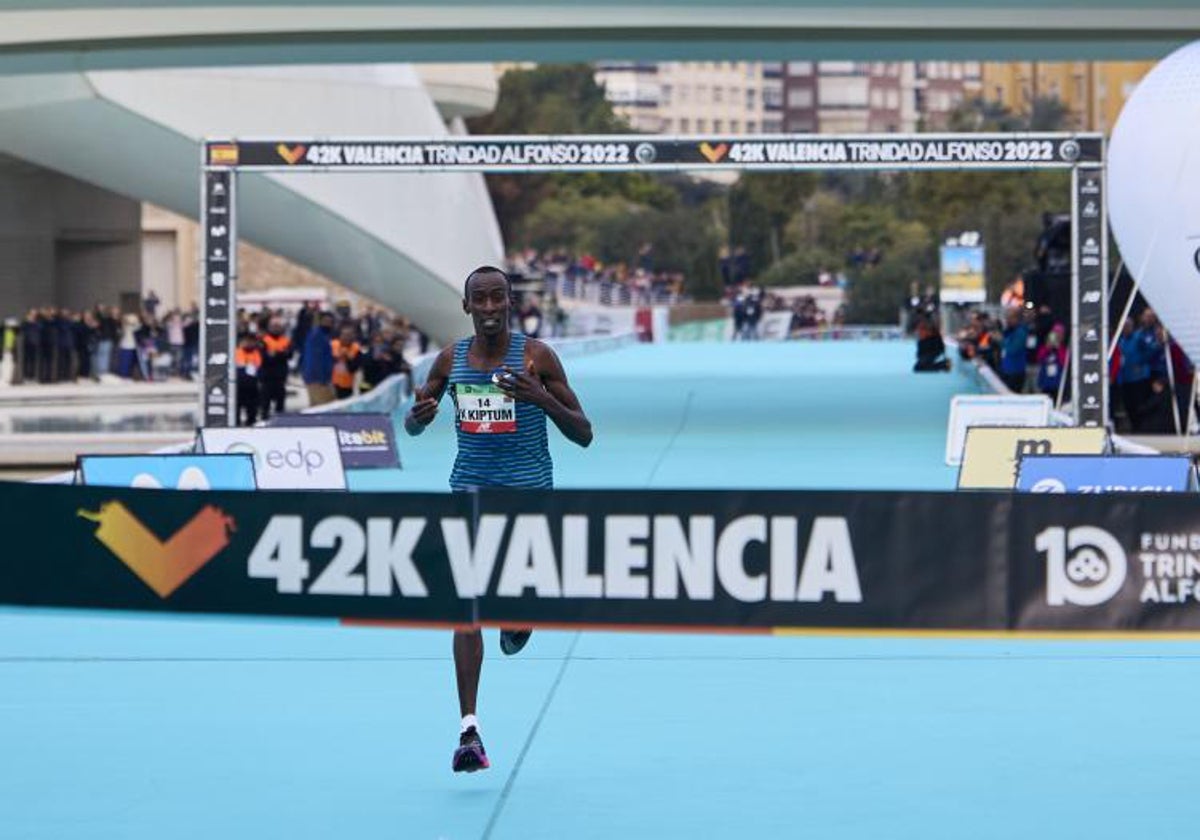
(468, 721)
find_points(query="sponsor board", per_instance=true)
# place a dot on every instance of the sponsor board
(593, 319)
(992, 453)
(1106, 474)
(650, 559)
(667, 560)
(962, 270)
(284, 458)
(170, 472)
(1094, 562)
(775, 326)
(621, 153)
(367, 440)
(991, 410)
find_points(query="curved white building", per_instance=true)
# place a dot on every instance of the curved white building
(404, 240)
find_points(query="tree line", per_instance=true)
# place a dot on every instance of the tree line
(793, 226)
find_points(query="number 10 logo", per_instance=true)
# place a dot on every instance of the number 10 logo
(1084, 566)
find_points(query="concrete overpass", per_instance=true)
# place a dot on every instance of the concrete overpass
(39, 36)
(404, 240)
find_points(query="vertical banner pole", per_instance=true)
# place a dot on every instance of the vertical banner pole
(1089, 298)
(1191, 412)
(219, 241)
(1062, 380)
(230, 303)
(1116, 339)
(1076, 333)
(1106, 283)
(202, 269)
(1171, 379)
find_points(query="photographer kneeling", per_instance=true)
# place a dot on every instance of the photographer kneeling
(931, 349)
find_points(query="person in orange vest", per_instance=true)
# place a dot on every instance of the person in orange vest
(347, 359)
(277, 351)
(248, 359)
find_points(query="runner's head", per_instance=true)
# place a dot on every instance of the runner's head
(486, 298)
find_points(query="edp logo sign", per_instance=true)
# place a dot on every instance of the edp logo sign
(284, 458)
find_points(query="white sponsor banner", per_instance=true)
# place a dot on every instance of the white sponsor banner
(968, 410)
(775, 326)
(588, 320)
(285, 458)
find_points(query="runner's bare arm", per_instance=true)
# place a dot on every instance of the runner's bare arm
(544, 383)
(426, 397)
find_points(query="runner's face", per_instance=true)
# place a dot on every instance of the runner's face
(487, 304)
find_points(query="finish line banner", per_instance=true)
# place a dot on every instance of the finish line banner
(648, 153)
(671, 560)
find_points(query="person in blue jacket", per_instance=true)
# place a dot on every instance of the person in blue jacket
(1141, 354)
(317, 370)
(1013, 355)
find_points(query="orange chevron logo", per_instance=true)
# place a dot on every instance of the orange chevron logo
(164, 566)
(291, 154)
(714, 153)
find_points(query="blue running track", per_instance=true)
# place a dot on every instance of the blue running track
(140, 727)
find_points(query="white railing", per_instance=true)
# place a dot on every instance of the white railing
(605, 292)
(851, 332)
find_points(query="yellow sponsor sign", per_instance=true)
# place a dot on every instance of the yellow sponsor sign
(992, 454)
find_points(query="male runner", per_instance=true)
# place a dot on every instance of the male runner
(504, 386)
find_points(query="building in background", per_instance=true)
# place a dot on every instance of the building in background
(699, 97)
(941, 87)
(849, 97)
(711, 97)
(1092, 91)
(632, 87)
(748, 97)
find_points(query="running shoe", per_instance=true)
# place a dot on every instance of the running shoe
(511, 641)
(470, 755)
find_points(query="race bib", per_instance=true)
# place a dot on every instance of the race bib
(484, 410)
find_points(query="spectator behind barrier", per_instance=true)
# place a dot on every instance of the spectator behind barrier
(1013, 355)
(1051, 361)
(317, 368)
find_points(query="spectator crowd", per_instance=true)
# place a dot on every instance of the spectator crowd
(1151, 376)
(638, 282)
(54, 344)
(335, 352)
(748, 303)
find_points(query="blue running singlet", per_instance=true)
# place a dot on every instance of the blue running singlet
(501, 442)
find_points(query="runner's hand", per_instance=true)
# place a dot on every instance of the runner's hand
(525, 386)
(424, 408)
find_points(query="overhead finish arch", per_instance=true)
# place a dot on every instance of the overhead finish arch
(1082, 154)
